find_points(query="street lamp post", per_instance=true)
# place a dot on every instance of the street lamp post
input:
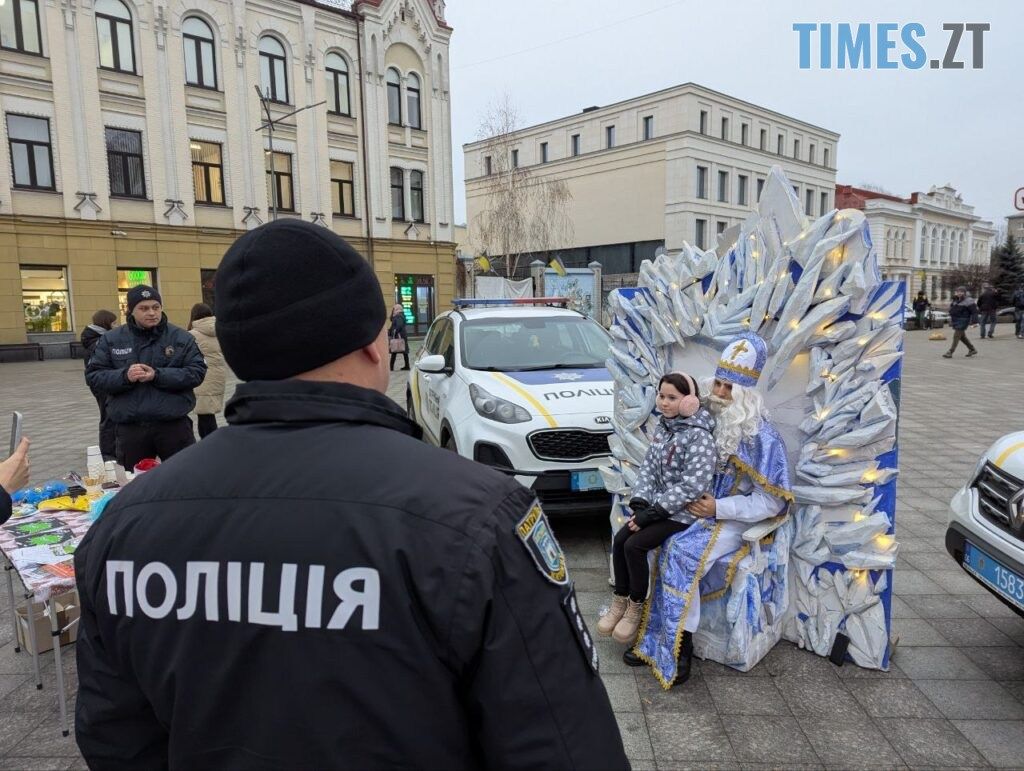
(269, 126)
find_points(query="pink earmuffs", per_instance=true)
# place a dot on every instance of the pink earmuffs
(689, 404)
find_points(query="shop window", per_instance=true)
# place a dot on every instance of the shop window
(415, 293)
(126, 279)
(45, 298)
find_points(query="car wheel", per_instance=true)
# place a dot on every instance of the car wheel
(410, 410)
(449, 444)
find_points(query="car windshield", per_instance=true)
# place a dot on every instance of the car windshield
(533, 342)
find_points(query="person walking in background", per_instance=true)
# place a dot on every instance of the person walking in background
(398, 337)
(148, 369)
(14, 475)
(1018, 312)
(963, 312)
(209, 393)
(988, 305)
(102, 322)
(921, 306)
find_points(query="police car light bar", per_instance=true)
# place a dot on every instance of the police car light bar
(467, 302)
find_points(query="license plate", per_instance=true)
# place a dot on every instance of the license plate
(1005, 582)
(581, 481)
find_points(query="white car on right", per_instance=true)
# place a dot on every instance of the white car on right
(985, 534)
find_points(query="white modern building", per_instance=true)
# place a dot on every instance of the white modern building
(682, 164)
(921, 238)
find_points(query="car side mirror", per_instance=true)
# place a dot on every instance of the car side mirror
(434, 363)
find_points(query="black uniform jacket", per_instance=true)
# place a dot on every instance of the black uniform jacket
(313, 587)
(170, 350)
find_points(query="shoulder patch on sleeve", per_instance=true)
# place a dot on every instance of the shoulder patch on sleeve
(535, 534)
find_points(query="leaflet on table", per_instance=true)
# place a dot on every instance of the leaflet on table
(49, 538)
(45, 555)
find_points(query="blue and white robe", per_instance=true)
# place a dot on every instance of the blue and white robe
(753, 486)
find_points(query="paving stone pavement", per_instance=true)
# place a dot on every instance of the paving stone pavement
(953, 698)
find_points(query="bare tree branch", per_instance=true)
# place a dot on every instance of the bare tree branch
(523, 212)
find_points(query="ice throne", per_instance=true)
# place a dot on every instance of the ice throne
(822, 574)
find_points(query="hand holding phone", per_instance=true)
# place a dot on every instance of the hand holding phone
(15, 471)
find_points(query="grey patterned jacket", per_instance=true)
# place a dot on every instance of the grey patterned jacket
(679, 465)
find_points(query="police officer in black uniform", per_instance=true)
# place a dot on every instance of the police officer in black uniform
(147, 370)
(271, 598)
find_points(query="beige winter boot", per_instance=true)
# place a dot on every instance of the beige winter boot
(625, 630)
(607, 622)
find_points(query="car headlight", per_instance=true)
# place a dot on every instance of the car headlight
(493, 408)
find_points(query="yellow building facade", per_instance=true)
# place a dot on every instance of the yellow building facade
(133, 153)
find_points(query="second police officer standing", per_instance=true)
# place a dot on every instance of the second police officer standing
(148, 369)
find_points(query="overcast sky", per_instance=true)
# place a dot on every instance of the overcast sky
(903, 129)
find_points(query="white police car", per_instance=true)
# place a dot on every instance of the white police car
(986, 526)
(520, 387)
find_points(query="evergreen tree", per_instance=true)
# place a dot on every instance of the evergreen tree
(1007, 268)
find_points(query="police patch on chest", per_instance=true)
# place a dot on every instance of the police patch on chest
(535, 533)
(169, 351)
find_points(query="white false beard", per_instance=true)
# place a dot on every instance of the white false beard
(736, 419)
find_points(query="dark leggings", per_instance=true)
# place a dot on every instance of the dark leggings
(629, 556)
(207, 424)
(404, 355)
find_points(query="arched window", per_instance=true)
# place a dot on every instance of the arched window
(412, 98)
(273, 72)
(337, 84)
(114, 35)
(394, 97)
(416, 195)
(200, 58)
(397, 194)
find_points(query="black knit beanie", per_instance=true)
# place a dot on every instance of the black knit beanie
(142, 292)
(292, 296)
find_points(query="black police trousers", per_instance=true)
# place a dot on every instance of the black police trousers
(158, 439)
